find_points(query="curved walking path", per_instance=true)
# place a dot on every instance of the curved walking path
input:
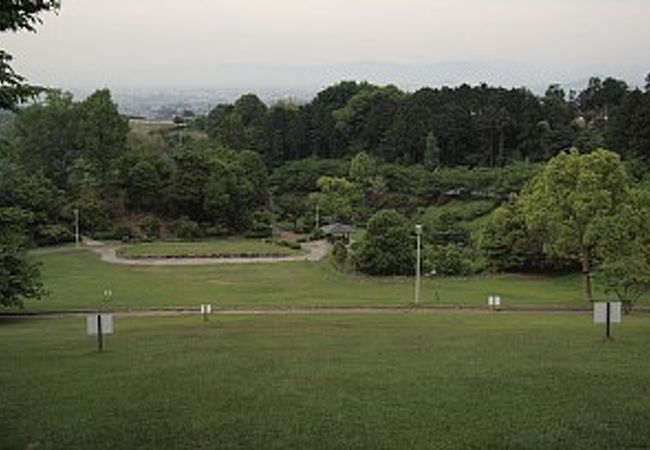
(316, 251)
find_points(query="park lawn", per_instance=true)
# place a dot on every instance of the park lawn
(463, 380)
(209, 248)
(77, 279)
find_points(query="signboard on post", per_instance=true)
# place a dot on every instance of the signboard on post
(99, 325)
(600, 312)
(609, 313)
(93, 322)
(494, 301)
(205, 311)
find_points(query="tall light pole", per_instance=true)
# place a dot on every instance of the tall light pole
(418, 233)
(76, 226)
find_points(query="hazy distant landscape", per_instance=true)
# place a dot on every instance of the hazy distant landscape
(301, 83)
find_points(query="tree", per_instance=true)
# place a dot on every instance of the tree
(569, 202)
(431, 151)
(336, 197)
(16, 16)
(46, 136)
(19, 277)
(625, 251)
(362, 168)
(103, 130)
(388, 247)
(506, 241)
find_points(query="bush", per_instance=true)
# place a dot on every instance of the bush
(217, 231)
(448, 259)
(283, 243)
(151, 228)
(124, 233)
(52, 235)
(260, 230)
(340, 254)
(105, 235)
(185, 228)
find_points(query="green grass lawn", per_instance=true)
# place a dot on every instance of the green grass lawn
(209, 248)
(77, 279)
(465, 380)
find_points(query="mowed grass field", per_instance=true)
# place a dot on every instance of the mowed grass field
(204, 248)
(443, 380)
(77, 279)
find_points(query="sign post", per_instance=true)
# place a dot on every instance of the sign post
(99, 325)
(494, 301)
(205, 310)
(607, 313)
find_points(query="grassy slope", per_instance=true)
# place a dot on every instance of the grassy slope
(377, 381)
(203, 248)
(76, 279)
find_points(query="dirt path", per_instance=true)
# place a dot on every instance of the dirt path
(316, 251)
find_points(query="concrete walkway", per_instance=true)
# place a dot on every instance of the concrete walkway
(316, 251)
(180, 311)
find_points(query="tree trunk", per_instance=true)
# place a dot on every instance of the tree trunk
(586, 277)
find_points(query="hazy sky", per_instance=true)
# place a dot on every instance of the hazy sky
(208, 42)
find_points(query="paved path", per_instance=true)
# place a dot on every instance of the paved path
(316, 251)
(180, 311)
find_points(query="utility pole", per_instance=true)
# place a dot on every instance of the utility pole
(418, 233)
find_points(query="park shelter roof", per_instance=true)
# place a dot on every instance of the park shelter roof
(337, 229)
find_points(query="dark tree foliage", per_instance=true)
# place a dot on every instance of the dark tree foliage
(388, 247)
(19, 276)
(16, 15)
(466, 125)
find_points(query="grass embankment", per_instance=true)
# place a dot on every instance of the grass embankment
(76, 279)
(203, 249)
(371, 381)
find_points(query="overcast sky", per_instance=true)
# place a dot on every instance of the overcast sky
(212, 42)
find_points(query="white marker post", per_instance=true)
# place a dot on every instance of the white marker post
(607, 313)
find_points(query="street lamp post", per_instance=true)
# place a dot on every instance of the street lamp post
(418, 233)
(76, 226)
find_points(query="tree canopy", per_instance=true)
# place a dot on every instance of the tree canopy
(570, 202)
(16, 16)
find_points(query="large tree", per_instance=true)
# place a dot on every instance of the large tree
(19, 277)
(571, 200)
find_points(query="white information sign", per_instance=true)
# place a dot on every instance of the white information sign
(206, 309)
(600, 312)
(92, 324)
(494, 300)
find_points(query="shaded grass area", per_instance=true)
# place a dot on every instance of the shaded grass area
(373, 381)
(77, 279)
(210, 248)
